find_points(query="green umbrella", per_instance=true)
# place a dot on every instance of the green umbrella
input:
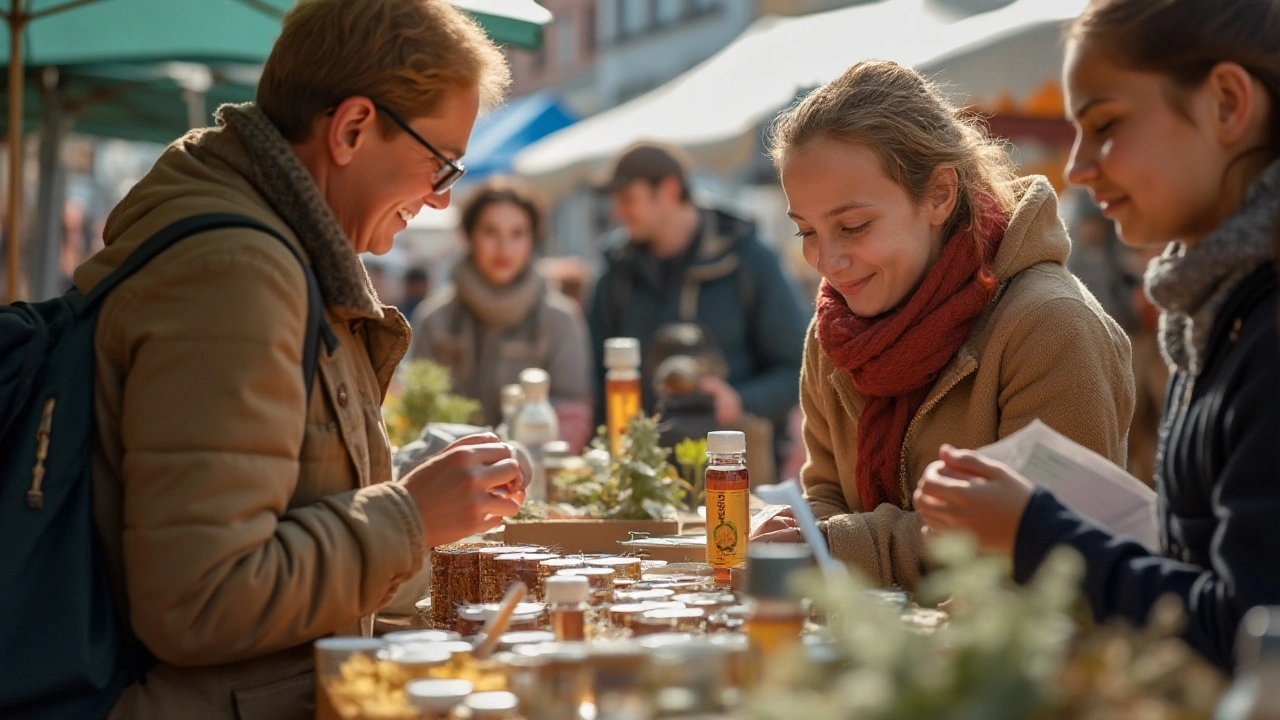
(153, 103)
(93, 41)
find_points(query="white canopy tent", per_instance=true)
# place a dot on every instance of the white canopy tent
(714, 109)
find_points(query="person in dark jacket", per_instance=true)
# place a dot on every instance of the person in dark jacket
(1143, 79)
(677, 262)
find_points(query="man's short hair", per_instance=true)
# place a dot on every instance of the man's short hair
(651, 162)
(403, 54)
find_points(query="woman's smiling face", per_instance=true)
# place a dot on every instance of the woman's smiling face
(861, 230)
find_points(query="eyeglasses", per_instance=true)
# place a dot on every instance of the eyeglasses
(450, 172)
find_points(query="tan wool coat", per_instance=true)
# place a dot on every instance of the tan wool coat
(1043, 349)
(241, 519)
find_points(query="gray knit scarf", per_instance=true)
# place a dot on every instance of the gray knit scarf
(498, 308)
(1189, 284)
(279, 175)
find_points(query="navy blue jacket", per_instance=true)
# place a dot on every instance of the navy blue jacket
(1218, 479)
(732, 285)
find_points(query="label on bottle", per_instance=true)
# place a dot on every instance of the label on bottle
(728, 525)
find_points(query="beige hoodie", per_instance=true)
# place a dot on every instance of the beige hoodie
(1043, 348)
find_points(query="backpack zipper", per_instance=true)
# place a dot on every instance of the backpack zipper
(35, 498)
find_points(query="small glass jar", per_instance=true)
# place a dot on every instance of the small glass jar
(730, 619)
(512, 640)
(333, 690)
(527, 616)
(489, 588)
(691, 676)
(684, 620)
(484, 675)
(600, 580)
(737, 649)
(552, 680)
(651, 595)
(712, 602)
(436, 699)
(625, 568)
(620, 680)
(625, 615)
(567, 604)
(421, 636)
(415, 661)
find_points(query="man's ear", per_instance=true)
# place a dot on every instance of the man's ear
(349, 127)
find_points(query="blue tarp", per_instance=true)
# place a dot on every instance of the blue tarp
(497, 138)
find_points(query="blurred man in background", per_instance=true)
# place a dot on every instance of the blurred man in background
(676, 262)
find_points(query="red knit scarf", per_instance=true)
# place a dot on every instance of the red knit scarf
(895, 358)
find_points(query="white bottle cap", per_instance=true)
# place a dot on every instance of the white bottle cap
(622, 353)
(437, 695)
(566, 589)
(536, 383)
(726, 441)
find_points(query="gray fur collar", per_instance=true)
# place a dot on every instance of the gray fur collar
(275, 170)
(1189, 284)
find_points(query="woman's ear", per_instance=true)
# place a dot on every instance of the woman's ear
(1234, 95)
(940, 200)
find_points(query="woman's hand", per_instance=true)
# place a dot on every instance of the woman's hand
(964, 491)
(779, 528)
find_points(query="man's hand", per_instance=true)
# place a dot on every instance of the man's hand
(728, 401)
(466, 489)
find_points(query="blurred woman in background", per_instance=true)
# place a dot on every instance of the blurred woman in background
(499, 316)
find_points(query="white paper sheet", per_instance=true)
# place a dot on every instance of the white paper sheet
(1082, 479)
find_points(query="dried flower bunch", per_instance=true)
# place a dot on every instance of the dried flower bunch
(1007, 653)
(637, 484)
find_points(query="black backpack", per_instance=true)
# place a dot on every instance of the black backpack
(65, 652)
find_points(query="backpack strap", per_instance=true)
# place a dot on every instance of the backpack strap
(317, 327)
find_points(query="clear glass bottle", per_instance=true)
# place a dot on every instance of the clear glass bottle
(621, 387)
(566, 597)
(536, 425)
(512, 401)
(1255, 695)
(436, 699)
(728, 513)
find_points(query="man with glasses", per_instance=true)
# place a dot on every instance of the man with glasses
(246, 509)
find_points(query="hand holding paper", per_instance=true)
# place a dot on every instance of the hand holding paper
(965, 491)
(984, 501)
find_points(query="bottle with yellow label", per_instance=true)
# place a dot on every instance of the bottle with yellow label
(728, 513)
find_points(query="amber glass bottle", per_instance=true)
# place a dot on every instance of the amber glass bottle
(621, 387)
(728, 516)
